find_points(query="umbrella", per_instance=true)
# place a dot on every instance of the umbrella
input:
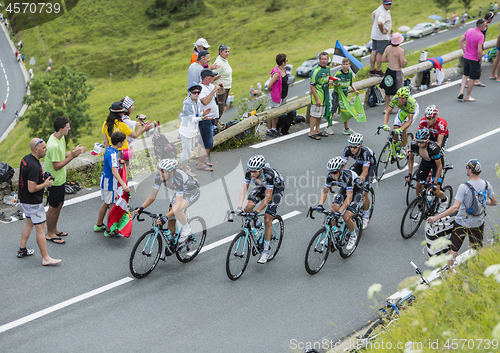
(436, 17)
(330, 51)
(404, 29)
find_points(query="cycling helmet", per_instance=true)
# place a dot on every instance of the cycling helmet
(256, 162)
(168, 164)
(423, 134)
(335, 164)
(403, 92)
(355, 139)
(431, 111)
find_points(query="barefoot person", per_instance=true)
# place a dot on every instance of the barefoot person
(31, 186)
(394, 56)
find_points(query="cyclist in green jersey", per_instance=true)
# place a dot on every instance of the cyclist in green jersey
(408, 112)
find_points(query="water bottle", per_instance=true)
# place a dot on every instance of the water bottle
(258, 223)
(255, 232)
(429, 197)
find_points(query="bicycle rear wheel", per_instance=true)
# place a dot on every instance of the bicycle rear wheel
(358, 228)
(371, 196)
(193, 245)
(145, 254)
(317, 251)
(278, 232)
(412, 218)
(237, 256)
(383, 160)
(403, 162)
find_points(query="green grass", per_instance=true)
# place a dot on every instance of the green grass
(122, 55)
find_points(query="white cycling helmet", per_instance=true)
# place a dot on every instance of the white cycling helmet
(256, 162)
(355, 139)
(168, 164)
(431, 111)
(335, 164)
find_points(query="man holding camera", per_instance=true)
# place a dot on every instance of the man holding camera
(32, 181)
(56, 160)
(206, 125)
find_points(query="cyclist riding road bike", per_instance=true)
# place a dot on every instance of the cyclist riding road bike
(431, 159)
(187, 192)
(348, 198)
(438, 127)
(365, 166)
(408, 112)
(269, 188)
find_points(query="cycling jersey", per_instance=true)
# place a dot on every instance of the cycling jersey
(348, 180)
(366, 156)
(440, 127)
(183, 184)
(409, 107)
(271, 178)
(433, 151)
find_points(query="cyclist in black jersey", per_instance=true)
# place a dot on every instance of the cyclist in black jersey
(365, 167)
(187, 192)
(431, 159)
(269, 188)
(348, 198)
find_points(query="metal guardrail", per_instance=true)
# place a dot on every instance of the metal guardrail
(306, 101)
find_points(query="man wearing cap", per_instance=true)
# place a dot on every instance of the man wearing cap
(394, 56)
(473, 39)
(381, 35)
(207, 99)
(465, 223)
(201, 44)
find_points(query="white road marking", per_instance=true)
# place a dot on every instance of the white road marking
(444, 30)
(438, 88)
(299, 81)
(436, 44)
(291, 99)
(410, 41)
(468, 142)
(64, 304)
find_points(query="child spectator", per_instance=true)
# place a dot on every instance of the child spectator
(110, 179)
(345, 77)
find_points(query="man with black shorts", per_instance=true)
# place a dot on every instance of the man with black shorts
(269, 188)
(431, 159)
(473, 53)
(466, 224)
(365, 166)
(381, 35)
(56, 160)
(31, 186)
(347, 199)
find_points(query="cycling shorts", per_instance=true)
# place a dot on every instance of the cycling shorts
(259, 193)
(358, 169)
(424, 169)
(190, 196)
(356, 202)
(402, 116)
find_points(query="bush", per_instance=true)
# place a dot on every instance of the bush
(163, 12)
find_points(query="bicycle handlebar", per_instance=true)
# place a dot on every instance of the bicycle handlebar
(242, 214)
(152, 215)
(312, 209)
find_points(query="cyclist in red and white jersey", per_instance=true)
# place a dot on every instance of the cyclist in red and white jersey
(437, 126)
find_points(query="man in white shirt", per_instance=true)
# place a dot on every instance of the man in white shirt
(381, 35)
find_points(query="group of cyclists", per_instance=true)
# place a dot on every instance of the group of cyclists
(354, 182)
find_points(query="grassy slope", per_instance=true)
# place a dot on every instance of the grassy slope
(101, 38)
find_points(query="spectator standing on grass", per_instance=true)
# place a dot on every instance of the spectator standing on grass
(473, 52)
(31, 187)
(320, 96)
(194, 72)
(381, 36)
(56, 160)
(50, 63)
(129, 104)
(495, 8)
(226, 76)
(110, 180)
(466, 224)
(480, 12)
(158, 125)
(345, 81)
(278, 86)
(491, 7)
(201, 44)
(393, 80)
(495, 67)
(206, 127)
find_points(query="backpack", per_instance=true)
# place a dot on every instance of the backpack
(375, 97)
(478, 206)
(6, 174)
(163, 148)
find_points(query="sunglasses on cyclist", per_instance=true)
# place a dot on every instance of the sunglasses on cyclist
(353, 147)
(430, 117)
(421, 141)
(335, 172)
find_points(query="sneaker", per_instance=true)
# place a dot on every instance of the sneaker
(348, 132)
(365, 222)
(442, 205)
(26, 252)
(263, 258)
(329, 131)
(372, 72)
(352, 241)
(277, 132)
(186, 231)
(271, 133)
(112, 234)
(379, 73)
(100, 228)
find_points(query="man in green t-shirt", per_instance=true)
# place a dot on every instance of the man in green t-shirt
(56, 160)
(320, 96)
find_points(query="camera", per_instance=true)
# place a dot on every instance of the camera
(141, 117)
(48, 176)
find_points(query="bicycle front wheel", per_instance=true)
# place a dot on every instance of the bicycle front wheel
(145, 254)
(383, 160)
(317, 251)
(195, 241)
(448, 191)
(412, 218)
(278, 231)
(237, 256)
(371, 196)
(403, 162)
(410, 191)
(358, 229)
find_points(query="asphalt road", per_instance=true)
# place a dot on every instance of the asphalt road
(194, 307)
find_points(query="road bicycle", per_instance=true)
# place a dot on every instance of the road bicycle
(330, 238)
(389, 313)
(425, 205)
(411, 185)
(251, 240)
(388, 153)
(158, 243)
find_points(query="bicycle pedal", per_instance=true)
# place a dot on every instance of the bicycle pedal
(254, 251)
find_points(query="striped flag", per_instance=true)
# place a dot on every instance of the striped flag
(120, 219)
(341, 53)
